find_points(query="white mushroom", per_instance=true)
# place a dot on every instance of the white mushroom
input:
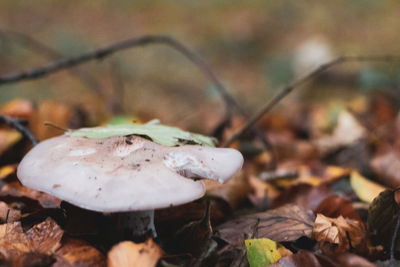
(124, 173)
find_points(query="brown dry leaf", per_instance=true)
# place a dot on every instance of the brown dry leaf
(340, 231)
(50, 111)
(8, 214)
(287, 223)
(76, 252)
(382, 217)
(16, 189)
(387, 168)
(13, 241)
(128, 253)
(335, 206)
(347, 131)
(17, 108)
(234, 192)
(43, 238)
(304, 195)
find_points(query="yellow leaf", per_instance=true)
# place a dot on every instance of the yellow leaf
(365, 189)
(264, 251)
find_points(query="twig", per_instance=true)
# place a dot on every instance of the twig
(286, 90)
(16, 124)
(98, 54)
(52, 54)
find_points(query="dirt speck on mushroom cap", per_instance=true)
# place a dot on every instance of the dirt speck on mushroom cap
(122, 173)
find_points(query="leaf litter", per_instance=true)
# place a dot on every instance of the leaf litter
(314, 203)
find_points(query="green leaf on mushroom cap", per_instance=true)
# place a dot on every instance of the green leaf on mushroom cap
(158, 133)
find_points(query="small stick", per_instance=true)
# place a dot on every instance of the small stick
(286, 90)
(98, 54)
(17, 125)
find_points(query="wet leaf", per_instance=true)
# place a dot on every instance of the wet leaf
(128, 253)
(264, 251)
(345, 233)
(365, 189)
(382, 216)
(158, 133)
(287, 223)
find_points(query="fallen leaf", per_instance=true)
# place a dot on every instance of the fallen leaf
(335, 206)
(128, 253)
(264, 251)
(347, 131)
(387, 168)
(158, 133)
(345, 233)
(7, 214)
(365, 189)
(382, 217)
(17, 108)
(76, 252)
(300, 259)
(234, 192)
(303, 195)
(50, 111)
(16, 189)
(43, 238)
(287, 223)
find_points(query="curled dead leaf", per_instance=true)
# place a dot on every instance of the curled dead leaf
(345, 233)
(42, 239)
(128, 253)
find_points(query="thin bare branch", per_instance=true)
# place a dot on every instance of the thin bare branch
(98, 54)
(18, 125)
(286, 90)
(50, 53)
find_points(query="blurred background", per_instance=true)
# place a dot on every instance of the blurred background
(254, 47)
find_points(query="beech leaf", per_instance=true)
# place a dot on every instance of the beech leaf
(287, 223)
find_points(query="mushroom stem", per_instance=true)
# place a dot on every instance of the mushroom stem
(137, 224)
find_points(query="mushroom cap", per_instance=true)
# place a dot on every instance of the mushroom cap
(124, 173)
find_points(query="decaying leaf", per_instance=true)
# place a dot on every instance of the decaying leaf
(158, 133)
(335, 206)
(348, 130)
(365, 189)
(387, 167)
(382, 216)
(75, 252)
(128, 253)
(7, 214)
(264, 251)
(287, 223)
(345, 233)
(43, 238)
(16, 189)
